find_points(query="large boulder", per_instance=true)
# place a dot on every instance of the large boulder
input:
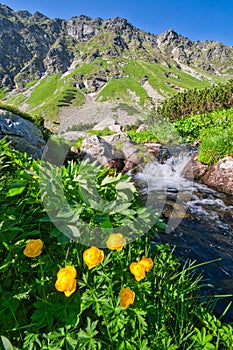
(218, 176)
(110, 124)
(116, 151)
(97, 149)
(194, 169)
(23, 134)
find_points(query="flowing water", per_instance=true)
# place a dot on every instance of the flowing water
(200, 221)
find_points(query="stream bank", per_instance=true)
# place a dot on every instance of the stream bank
(199, 218)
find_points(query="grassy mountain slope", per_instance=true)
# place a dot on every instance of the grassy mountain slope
(63, 64)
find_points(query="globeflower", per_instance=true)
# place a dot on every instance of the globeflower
(126, 297)
(147, 263)
(115, 241)
(33, 248)
(66, 281)
(138, 270)
(93, 257)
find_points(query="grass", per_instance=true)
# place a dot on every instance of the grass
(49, 95)
(122, 89)
(214, 130)
(156, 78)
(165, 308)
(216, 146)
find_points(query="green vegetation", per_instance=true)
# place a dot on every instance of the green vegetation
(142, 136)
(214, 130)
(195, 101)
(49, 95)
(54, 296)
(123, 89)
(104, 132)
(198, 126)
(213, 148)
(156, 74)
(2, 94)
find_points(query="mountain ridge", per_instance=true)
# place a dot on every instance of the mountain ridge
(108, 57)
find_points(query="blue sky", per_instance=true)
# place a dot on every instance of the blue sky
(197, 20)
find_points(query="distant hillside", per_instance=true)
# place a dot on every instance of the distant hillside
(54, 67)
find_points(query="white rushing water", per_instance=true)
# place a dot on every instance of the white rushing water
(163, 183)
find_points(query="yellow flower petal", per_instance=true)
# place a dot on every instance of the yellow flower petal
(93, 257)
(138, 270)
(126, 297)
(147, 263)
(115, 241)
(66, 281)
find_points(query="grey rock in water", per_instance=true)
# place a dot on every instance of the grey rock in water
(23, 134)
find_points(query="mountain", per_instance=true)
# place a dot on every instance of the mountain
(51, 66)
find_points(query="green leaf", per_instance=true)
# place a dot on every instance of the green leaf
(15, 191)
(5, 344)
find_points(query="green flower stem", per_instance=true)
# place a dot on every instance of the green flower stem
(42, 277)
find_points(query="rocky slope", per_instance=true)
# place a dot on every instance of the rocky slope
(48, 64)
(32, 44)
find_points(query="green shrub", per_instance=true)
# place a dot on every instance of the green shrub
(198, 126)
(213, 148)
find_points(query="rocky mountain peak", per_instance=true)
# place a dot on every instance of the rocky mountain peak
(5, 11)
(38, 17)
(31, 45)
(170, 37)
(23, 14)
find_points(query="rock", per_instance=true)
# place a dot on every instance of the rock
(116, 151)
(109, 123)
(58, 59)
(153, 148)
(73, 135)
(194, 170)
(220, 175)
(97, 149)
(142, 127)
(23, 134)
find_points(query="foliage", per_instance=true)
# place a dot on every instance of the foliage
(167, 312)
(213, 148)
(105, 132)
(142, 136)
(194, 101)
(214, 130)
(196, 127)
(158, 130)
(51, 93)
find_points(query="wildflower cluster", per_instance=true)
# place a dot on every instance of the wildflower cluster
(93, 256)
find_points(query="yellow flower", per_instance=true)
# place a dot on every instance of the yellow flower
(115, 241)
(33, 248)
(147, 263)
(93, 257)
(126, 297)
(35, 177)
(66, 281)
(138, 270)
